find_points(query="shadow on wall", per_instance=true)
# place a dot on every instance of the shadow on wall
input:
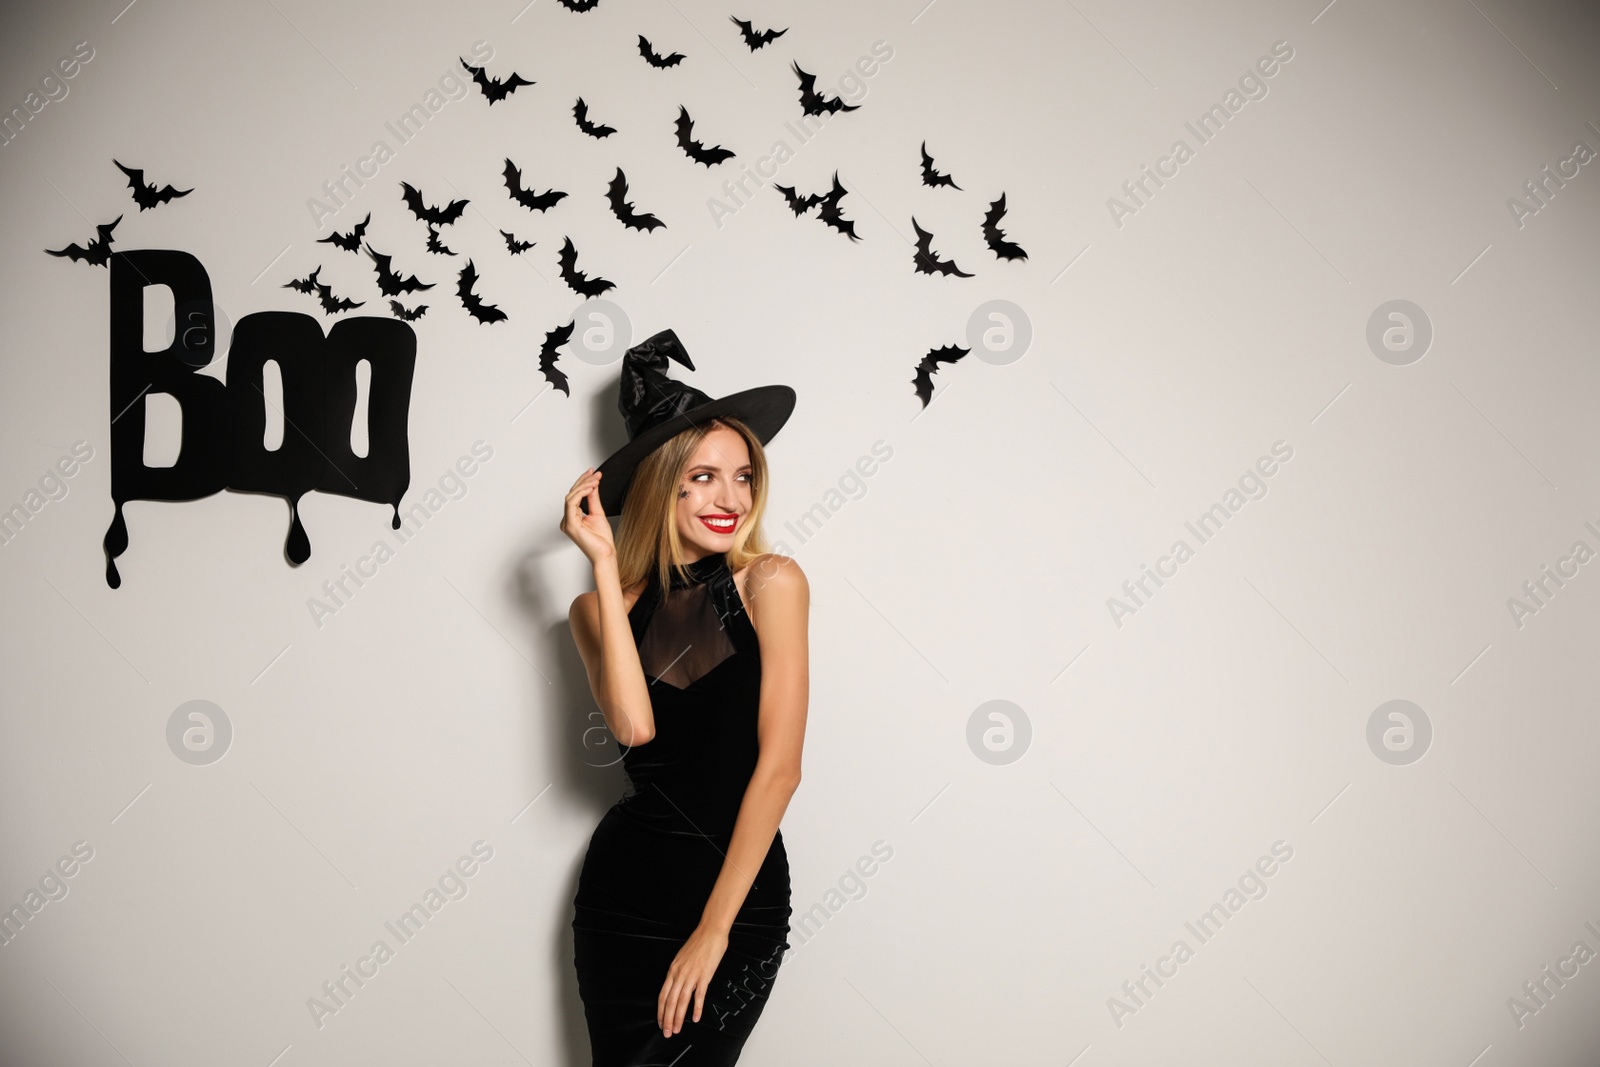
(574, 753)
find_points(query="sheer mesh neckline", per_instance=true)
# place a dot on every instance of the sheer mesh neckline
(686, 636)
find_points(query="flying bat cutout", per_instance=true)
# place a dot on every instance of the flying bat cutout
(350, 242)
(933, 177)
(472, 301)
(99, 250)
(527, 197)
(754, 38)
(828, 210)
(514, 246)
(995, 236)
(580, 282)
(438, 216)
(401, 313)
(549, 353)
(798, 204)
(493, 88)
(224, 417)
(928, 366)
(324, 293)
(812, 102)
(146, 195)
(697, 150)
(579, 6)
(927, 261)
(580, 111)
(617, 193)
(390, 283)
(828, 202)
(654, 58)
(435, 245)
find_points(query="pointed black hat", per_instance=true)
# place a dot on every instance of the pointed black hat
(656, 408)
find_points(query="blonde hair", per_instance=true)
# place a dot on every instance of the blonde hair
(647, 536)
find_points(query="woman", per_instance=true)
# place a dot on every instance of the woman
(694, 641)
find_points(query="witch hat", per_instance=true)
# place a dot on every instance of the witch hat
(656, 408)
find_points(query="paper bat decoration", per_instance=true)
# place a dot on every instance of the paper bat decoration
(400, 311)
(99, 250)
(390, 283)
(696, 150)
(929, 365)
(441, 216)
(617, 193)
(655, 59)
(828, 210)
(350, 242)
(829, 203)
(434, 244)
(548, 354)
(472, 301)
(755, 39)
(812, 102)
(580, 282)
(324, 293)
(931, 176)
(514, 246)
(995, 236)
(145, 195)
(494, 88)
(527, 197)
(580, 111)
(927, 261)
(579, 6)
(798, 204)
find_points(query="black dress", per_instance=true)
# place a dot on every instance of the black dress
(654, 858)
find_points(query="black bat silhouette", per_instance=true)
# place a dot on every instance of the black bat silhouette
(514, 246)
(472, 301)
(350, 242)
(617, 192)
(753, 38)
(828, 210)
(146, 195)
(696, 150)
(929, 365)
(435, 245)
(390, 283)
(580, 282)
(579, 6)
(548, 354)
(927, 261)
(442, 216)
(308, 284)
(812, 102)
(99, 250)
(494, 88)
(400, 311)
(829, 203)
(798, 204)
(580, 111)
(931, 176)
(324, 293)
(527, 197)
(996, 237)
(654, 58)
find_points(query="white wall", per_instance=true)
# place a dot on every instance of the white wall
(1169, 750)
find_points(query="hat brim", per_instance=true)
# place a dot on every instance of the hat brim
(764, 409)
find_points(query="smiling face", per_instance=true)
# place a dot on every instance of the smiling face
(714, 494)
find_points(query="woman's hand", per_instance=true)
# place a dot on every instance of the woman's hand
(592, 532)
(690, 975)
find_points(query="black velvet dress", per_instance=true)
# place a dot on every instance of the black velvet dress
(654, 858)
